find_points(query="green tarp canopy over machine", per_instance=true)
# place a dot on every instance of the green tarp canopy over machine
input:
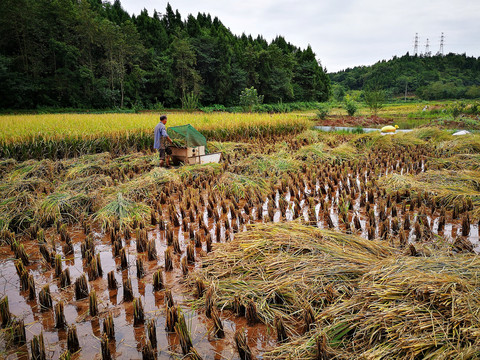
(186, 136)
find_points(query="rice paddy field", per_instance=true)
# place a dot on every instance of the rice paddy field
(299, 244)
(409, 115)
(58, 136)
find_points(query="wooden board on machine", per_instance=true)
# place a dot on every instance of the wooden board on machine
(194, 155)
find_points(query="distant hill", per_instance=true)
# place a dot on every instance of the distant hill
(451, 76)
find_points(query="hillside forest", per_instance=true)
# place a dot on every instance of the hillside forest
(451, 76)
(93, 54)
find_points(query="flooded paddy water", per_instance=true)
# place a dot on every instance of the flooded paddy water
(395, 196)
(129, 338)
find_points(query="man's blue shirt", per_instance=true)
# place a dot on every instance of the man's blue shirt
(160, 131)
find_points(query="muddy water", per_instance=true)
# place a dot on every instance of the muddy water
(451, 231)
(129, 339)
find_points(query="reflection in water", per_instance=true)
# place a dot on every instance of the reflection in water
(158, 295)
(128, 340)
(139, 335)
(173, 343)
(129, 312)
(62, 335)
(112, 344)
(141, 287)
(47, 319)
(95, 322)
(113, 296)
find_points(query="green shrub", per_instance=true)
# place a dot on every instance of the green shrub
(323, 110)
(158, 106)
(280, 107)
(338, 92)
(190, 101)
(374, 99)
(350, 105)
(234, 109)
(249, 98)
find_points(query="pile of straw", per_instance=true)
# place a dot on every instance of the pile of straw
(404, 308)
(284, 266)
(446, 187)
(370, 302)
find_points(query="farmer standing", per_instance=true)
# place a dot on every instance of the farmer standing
(160, 134)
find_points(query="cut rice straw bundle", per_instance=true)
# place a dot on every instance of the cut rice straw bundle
(145, 185)
(344, 151)
(280, 266)
(404, 308)
(460, 145)
(446, 187)
(313, 152)
(275, 165)
(456, 162)
(122, 210)
(241, 186)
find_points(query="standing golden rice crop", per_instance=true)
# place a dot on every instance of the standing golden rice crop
(64, 135)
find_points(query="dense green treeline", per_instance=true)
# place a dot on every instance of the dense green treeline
(451, 76)
(93, 54)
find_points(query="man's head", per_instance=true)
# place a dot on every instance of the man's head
(163, 119)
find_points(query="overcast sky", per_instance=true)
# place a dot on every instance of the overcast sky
(343, 33)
